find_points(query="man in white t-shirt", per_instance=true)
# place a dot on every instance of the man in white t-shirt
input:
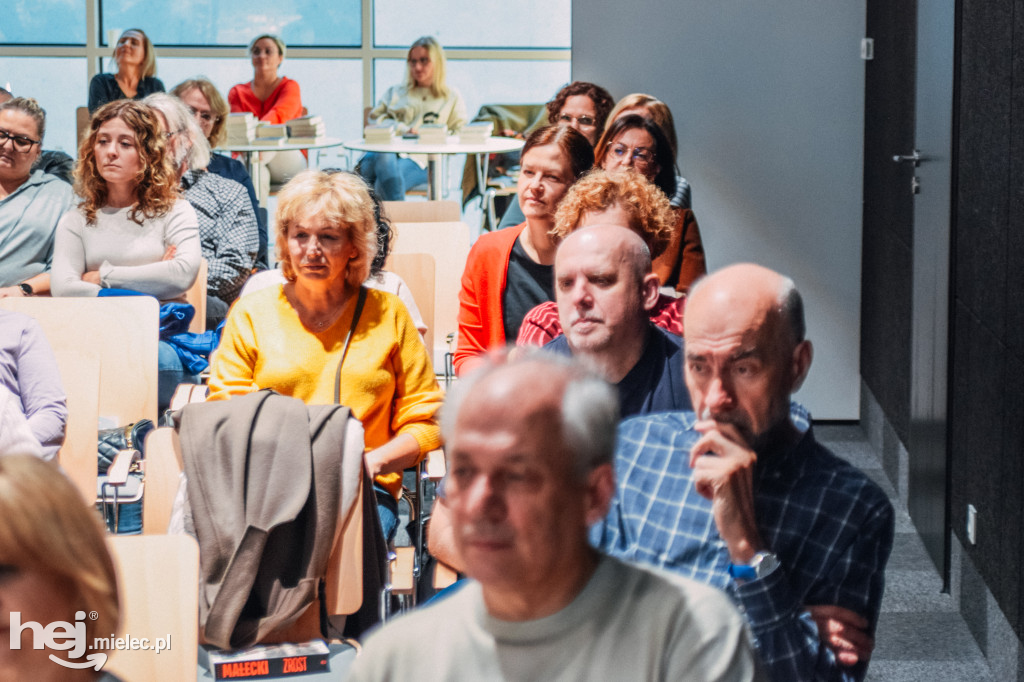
(530, 447)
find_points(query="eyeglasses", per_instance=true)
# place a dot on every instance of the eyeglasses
(642, 158)
(171, 134)
(422, 61)
(19, 142)
(205, 116)
(582, 121)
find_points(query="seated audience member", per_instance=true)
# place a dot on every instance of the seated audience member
(424, 98)
(211, 113)
(638, 143)
(579, 105)
(132, 229)
(49, 160)
(322, 326)
(610, 198)
(271, 98)
(379, 278)
(530, 447)
(54, 565)
(28, 371)
(136, 72)
(508, 272)
(31, 201)
(656, 110)
(227, 225)
(605, 289)
(743, 497)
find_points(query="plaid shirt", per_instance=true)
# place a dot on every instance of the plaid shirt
(541, 324)
(830, 526)
(227, 229)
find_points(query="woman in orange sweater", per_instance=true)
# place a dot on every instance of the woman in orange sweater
(292, 337)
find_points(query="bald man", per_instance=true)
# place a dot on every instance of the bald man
(743, 496)
(605, 289)
(529, 447)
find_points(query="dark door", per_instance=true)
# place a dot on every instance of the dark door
(908, 106)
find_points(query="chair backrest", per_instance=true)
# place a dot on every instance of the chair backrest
(196, 295)
(418, 272)
(344, 584)
(82, 119)
(422, 211)
(158, 584)
(106, 351)
(448, 243)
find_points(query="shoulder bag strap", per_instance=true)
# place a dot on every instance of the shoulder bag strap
(348, 337)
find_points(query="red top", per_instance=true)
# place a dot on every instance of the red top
(284, 103)
(481, 321)
(541, 324)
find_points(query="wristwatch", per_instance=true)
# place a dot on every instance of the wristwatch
(759, 567)
(26, 288)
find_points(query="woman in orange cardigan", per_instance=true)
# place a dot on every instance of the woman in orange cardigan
(510, 271)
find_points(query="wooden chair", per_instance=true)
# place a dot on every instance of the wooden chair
(106, 351)
(422, 211)
(344, 586)
(448, 243)
(82, 118)
(196, 295)
(417, 271)
(158, 585)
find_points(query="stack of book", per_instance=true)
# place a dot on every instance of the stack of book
(271, 134)
(431, 133)
(306, 130)
(379, 133)
(476, 133)
(241, 129)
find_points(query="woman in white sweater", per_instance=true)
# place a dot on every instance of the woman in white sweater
(132, 229)
(424, 98)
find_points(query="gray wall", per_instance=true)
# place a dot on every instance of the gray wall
(768, 100)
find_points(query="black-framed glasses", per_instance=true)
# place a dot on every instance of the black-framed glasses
(19, 142)
(641, 157)
(584, 121)
(422, 61)
(205, 116)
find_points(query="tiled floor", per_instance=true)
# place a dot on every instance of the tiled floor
(921, 636)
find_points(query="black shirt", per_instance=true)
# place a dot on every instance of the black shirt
(527, 285)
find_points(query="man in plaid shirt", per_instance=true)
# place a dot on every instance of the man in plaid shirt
(744, 498)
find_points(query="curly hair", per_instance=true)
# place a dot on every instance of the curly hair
(49, 530)
(156, 185)
(665, 178)
(603, 101)
(651, 216)
(339, 198)
(654, 109)
(218, 107)
(30, 108)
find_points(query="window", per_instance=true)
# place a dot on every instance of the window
(236, 22)
(43, 22)
(470, 23)
(59, 84)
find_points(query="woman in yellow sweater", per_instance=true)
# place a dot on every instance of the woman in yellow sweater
(293, 337)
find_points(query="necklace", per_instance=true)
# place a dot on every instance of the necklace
(327, 321)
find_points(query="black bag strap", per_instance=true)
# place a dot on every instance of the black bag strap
(348, 337)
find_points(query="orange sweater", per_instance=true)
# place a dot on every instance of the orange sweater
(284, 103)
(387, 379)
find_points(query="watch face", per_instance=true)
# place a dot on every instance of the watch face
(27, 288)
(764, 563)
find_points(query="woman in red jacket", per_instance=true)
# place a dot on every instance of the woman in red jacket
(510, 271)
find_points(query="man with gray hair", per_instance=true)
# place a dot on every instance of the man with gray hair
(530, 447)
(740, 495)
(228, 230)
(605, 288)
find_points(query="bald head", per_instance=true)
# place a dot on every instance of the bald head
(620, 241)
(745, 351)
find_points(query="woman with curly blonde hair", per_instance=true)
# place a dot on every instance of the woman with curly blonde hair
(291, 336)
(132, 229)
(610, 198)
(54, 565)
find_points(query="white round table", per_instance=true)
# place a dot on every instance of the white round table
(248, 150)
(434, 152)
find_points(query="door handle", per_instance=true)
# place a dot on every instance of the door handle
(914, 158)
